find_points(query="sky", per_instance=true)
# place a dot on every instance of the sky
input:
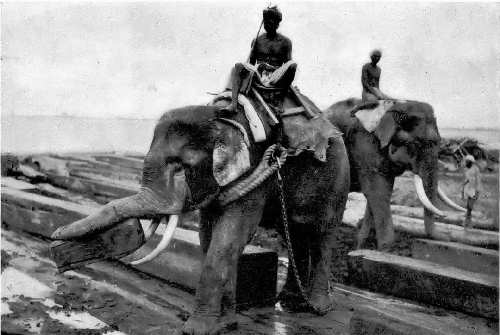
(137, 60)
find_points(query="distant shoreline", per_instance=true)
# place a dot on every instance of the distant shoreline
(154, 119)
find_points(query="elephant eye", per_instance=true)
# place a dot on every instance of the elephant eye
(176, 166)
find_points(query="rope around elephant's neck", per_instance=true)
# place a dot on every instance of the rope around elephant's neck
(263, 171)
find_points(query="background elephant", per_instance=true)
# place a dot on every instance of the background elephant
(407, 138)
(193, 146)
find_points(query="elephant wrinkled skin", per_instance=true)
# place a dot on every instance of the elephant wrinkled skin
(406, 138)
(212, 155)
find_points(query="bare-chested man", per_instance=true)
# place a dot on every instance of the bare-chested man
(270, 61)
(370, 78)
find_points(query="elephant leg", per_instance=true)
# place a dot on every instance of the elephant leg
(378, 196)
(365, 232)
(206, 225)
(322, 249)
(323, 246)
(290, 294)
(215, 297)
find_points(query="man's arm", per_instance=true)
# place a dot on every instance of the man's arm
(289, 51)
(253, 58)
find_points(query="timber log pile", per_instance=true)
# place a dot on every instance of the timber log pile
(443, 286)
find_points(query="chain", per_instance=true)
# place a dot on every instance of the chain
(284, 218)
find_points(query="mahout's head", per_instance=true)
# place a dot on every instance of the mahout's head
(469, 161)
(271, 17)
(375, 56)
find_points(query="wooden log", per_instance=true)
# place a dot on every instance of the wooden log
(88, 172)
(181, 263)
(458, 255)
(451, 217)
(393, 315)
(445, 232)
(127, 162)
(108, 187)
(116, 242)
(17, 184)
(86, 160)
(38, 214)
(95, 188)
(427, 282)
(373, 322)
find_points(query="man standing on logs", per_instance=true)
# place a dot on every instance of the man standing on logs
(370, 78)
(270, 61)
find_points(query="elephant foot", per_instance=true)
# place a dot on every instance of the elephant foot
(293, 302)
(321, 303)
(209, 325)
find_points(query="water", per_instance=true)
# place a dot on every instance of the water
(59, 134)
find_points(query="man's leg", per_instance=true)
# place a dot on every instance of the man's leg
(468, 214)
(284, 75)
(239, 73)
(285, 78)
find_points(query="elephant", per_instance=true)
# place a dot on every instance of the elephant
(406, 138)
(195, 157)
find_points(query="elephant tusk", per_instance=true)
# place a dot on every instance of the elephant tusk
(150, 228)
(419, 186)
(448, 201)
(165, 240)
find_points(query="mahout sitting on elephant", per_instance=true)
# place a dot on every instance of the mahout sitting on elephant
(403, 137)
(198, 160)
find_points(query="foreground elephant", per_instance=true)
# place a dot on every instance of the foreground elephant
(212, 153)
(406, 138)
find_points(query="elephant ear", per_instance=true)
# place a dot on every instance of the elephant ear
(386, 129)
(231, 156)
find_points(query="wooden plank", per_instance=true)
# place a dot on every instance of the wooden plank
(181, 263)
(426, 282)
(458, 255)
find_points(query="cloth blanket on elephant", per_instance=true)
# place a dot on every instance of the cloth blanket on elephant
(300, 132)
(370, 114)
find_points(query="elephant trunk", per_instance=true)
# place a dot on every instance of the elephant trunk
(162, 193)
(144, 204)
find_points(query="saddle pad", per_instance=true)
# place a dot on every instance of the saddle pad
(254, 121)
(370, 118)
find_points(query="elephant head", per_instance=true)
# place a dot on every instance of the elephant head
(409, 135)
(192, 155)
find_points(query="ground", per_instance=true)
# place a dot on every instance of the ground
(110, 298)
